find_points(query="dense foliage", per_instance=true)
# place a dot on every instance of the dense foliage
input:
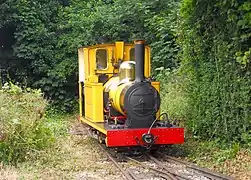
(201, 52)
(43, 38)
(34, 52)
(216, 42)
(23, 129)
(106, 21)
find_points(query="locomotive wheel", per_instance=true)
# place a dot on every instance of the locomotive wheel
(154, 149)
(101, 138)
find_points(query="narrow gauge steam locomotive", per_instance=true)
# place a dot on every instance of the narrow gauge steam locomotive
(117, 98)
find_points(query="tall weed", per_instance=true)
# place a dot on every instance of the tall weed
(23, 127)
(173, 94)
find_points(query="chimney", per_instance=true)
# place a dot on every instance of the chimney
(140, 60)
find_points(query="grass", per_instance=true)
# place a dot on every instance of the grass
(23, 128)
(72, 157)
(36, 144)
(230, 160)
(79, 157)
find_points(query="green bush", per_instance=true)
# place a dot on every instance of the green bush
(215, 38)
(173, 95)
(23, 127)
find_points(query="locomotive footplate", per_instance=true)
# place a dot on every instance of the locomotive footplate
(141, 137)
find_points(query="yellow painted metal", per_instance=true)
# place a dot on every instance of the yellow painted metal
(147, 62)
(94, 102)
(119, 50)
(112, 83)
(94, 90)
(92, 63)
(93, 71)
(80, 98)
(99, 126)
(156, 85)
(115, 90)
(87, 64)
(88, 102)
(93, 79)
(116, 51)
(115, 95)
(127, 48)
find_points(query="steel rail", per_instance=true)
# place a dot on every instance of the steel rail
(204, 171)
(170, 171)
(129, 175)
(161, 165)
(165, 174)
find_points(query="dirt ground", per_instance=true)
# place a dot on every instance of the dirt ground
(77, 156)
(239, 167)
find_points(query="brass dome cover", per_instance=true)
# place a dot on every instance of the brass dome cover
(127, 71)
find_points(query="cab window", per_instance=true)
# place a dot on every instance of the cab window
(132, 58)
(101, 59)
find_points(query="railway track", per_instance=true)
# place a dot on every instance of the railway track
(205, 172)
(162, 167)
(159, 167)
